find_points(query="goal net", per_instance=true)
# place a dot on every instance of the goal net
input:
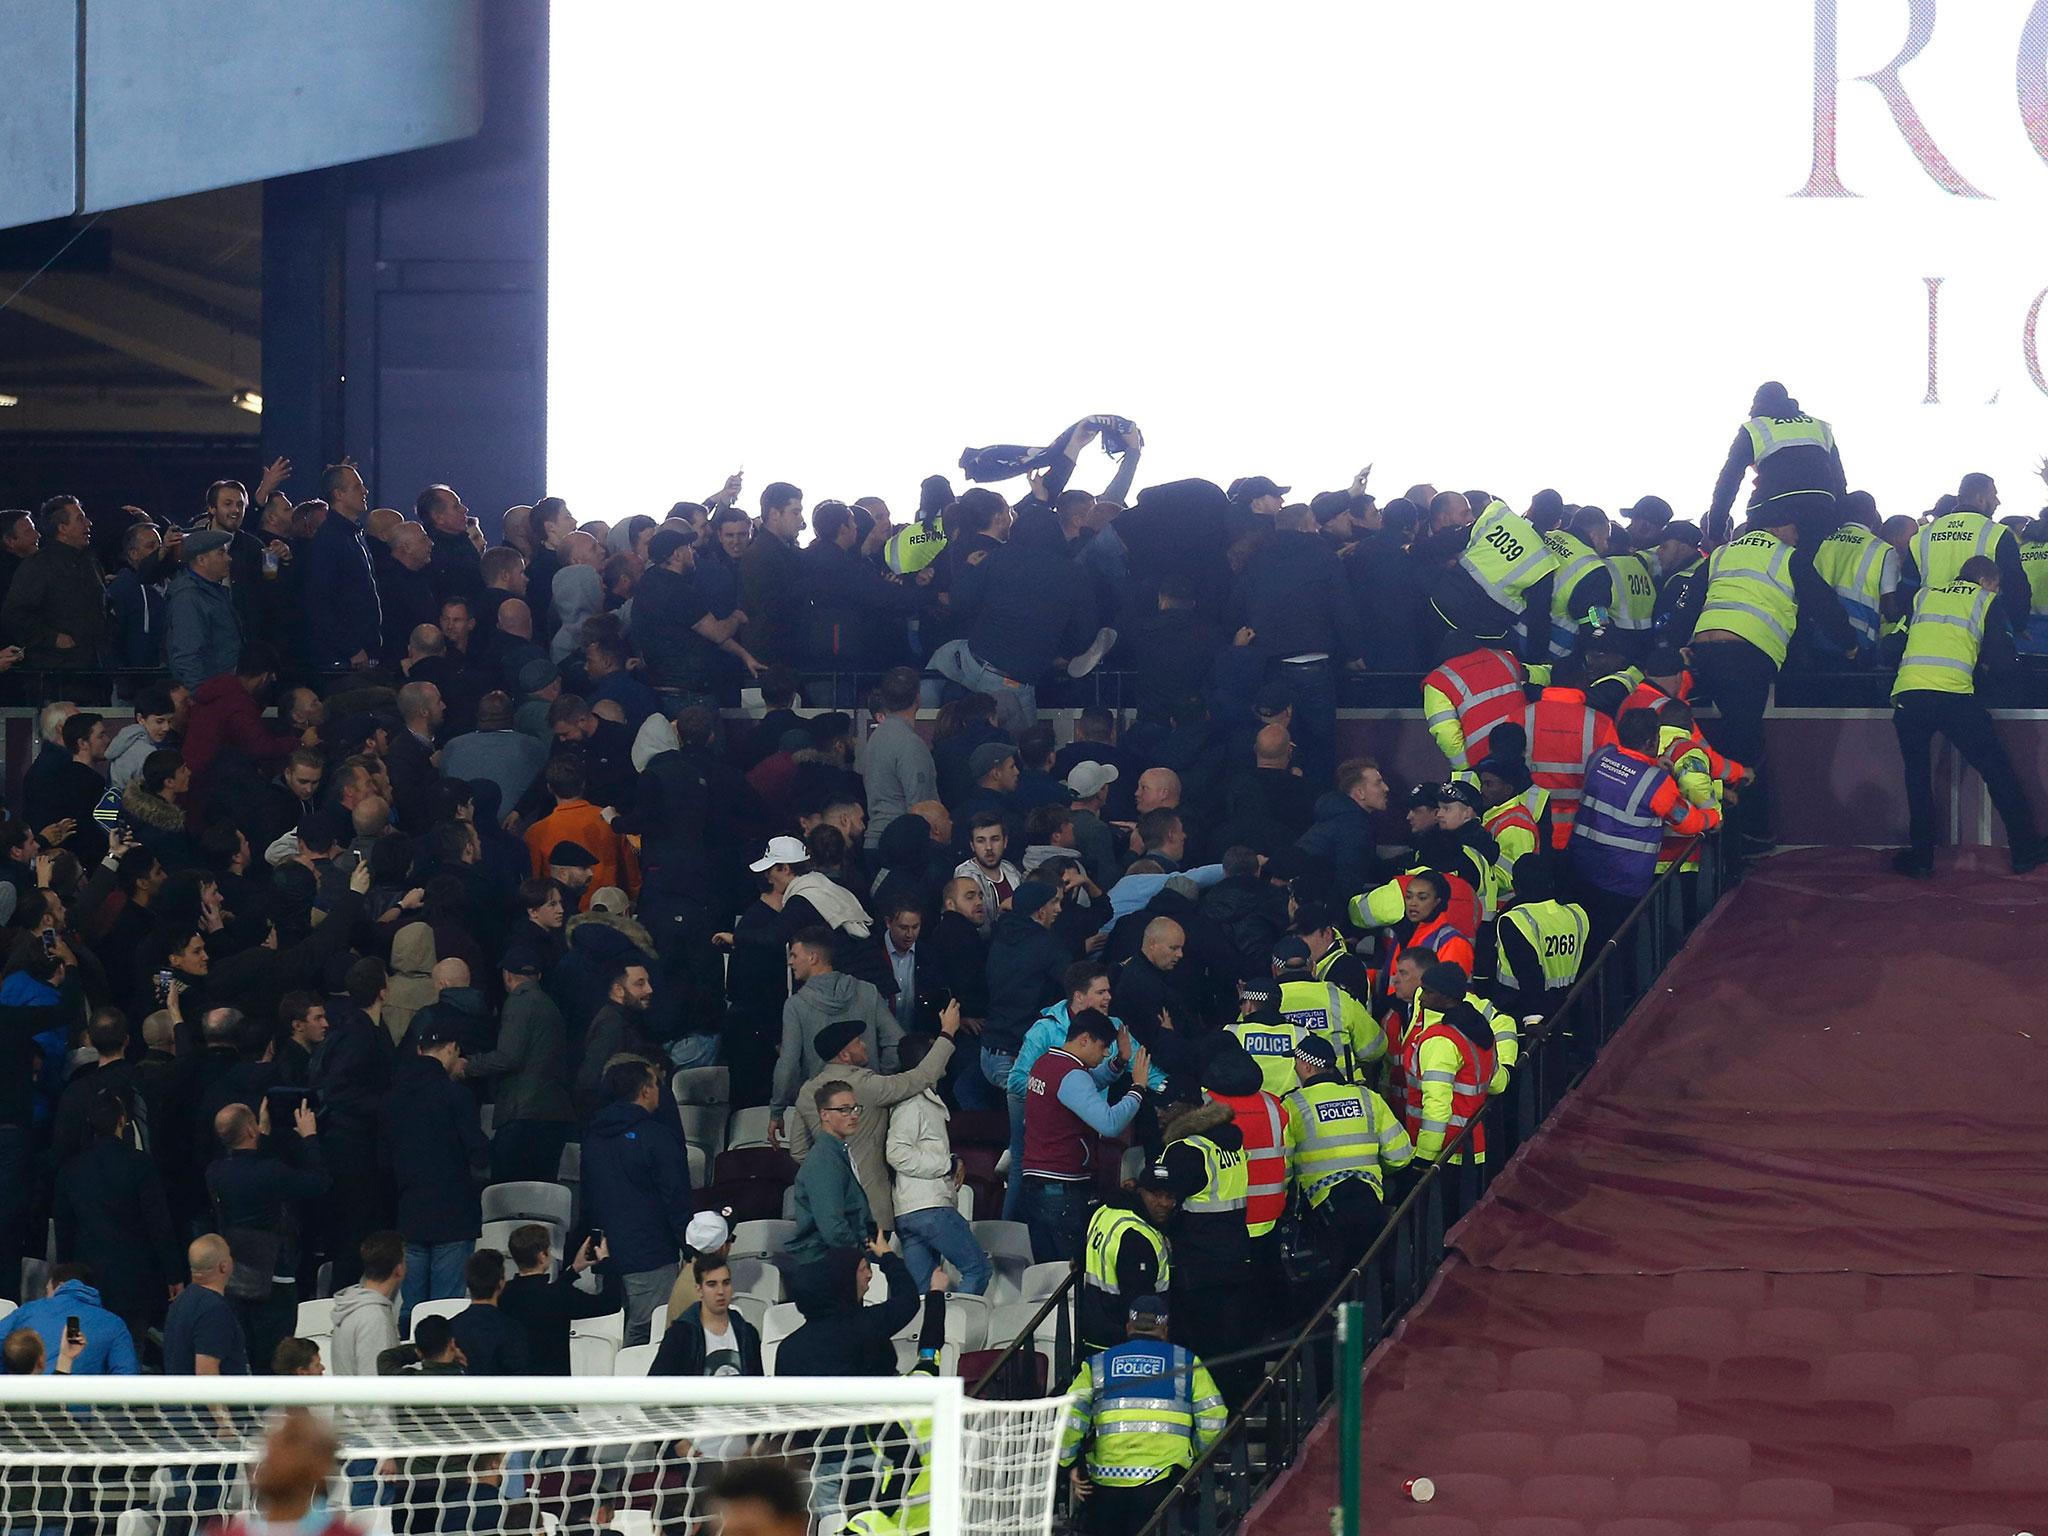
(531, 1456)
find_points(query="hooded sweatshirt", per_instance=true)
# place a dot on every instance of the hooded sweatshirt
(125, 755)
(828, 999)
(840, 1335)
(578, 594)
(365, 1324)
(412, 970)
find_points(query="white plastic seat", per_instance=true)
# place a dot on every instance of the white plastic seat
(757, 1277)
(1041, 1280)
(634, 1360)
(657, 1324)
(314, 1317)
(607, 1325)
(761, 1240)
(749, 1128)
(967, 1322)
(570, 1169)
(700, 1164)
(1006, 1323)
(704, 1125)
(590, 1355)
(498, 1235)
(789, 1205)
(1005, 1241)
(528, 1200)
(753, 1309)
(782, 1319)
(963, 1202)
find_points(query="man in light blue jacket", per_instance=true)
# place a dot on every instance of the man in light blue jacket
(109, 1348)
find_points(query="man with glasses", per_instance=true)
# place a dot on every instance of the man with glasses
(831, 1209)
(854, 1133)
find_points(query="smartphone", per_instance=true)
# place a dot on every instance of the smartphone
(596, 1236)
(163, 988)
(49, 937)
(72, 1331)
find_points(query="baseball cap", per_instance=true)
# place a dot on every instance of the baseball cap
(707, 1232)
(609, 898)
(1458, 792)
(1031, 895)
(537, 674)
(1648, 507)
(987, 757)
(1685, 533)
(1164, 1178)
(521, 962)
(1447, 977)
(1423, 797)
(780, 850)
(1328, 506)
(428, 1032)
(1088, 778)
(1252, 487)
(1153, 1307)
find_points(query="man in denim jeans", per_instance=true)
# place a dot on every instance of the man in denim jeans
(1065, 1111)
(927, 1176)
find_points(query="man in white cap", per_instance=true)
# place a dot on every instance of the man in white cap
(1088, 783)
(708, 1236)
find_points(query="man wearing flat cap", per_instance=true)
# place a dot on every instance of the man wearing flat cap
(848, 1103)
(203, 633)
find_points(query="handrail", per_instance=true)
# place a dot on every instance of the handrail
(1028, 1334)
(1236, 1428)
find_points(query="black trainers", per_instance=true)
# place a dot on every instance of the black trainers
(1914, 866)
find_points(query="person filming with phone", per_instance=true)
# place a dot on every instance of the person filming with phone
(256, 1187)
(73, 1332)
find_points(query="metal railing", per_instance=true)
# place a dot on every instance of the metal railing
(1263, 1436)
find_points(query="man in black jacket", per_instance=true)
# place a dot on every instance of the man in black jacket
(457, 569)
(544, 1306)
(858, 616)
(429, 1143)
(352, 1075)
(1026, 972)
(256, 1195)
(709, 1338)
(841, 1336)
(771, 579)
(111, 1214)
(493, 1343)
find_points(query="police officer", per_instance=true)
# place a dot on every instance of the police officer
(1542, 944)
(1330, 957)
(1126, 1253)
(1504, 572)
(1759, 589)
(1948, 637)
(1798, 469)
(1143, 1411)
(1324, 1008)
(1341, 1142)
(1267, 1037)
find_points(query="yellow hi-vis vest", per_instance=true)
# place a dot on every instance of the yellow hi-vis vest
(1942, 640)
(1750, 593)
(1852, 561)
(1767, 434)
(1556, 930)
(1575, 562)
(2033, 640)
(1339, 1131)
(1505, 556)
(1507, 1034)
(1635, 590)
(1143, 1410)
(1943, 545)
(1272, 1047)
(1228, 1180)
(1326, 1009)
(1107, 1229)
(913, 547)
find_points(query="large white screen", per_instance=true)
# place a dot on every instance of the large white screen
(1498, 243)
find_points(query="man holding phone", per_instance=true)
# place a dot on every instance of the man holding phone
(256, 1195)
(71, 1306)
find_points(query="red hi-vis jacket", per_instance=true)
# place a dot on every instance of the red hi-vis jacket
(1441, 937)
(1649, 696)
(1259, 1120)
(1564, 733)
(1466, 697)
(1445, 1076)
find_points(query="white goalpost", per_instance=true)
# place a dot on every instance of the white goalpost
(534, 1456)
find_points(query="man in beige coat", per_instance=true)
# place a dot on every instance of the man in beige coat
(843, 1049)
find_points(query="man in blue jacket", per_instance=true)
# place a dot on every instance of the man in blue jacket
(109, 1350)
(636, 1189)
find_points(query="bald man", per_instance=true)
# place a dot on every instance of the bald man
(1158, 790)
(202, 1336)
(1147, 999)
(1271, 803)
(962, 948)
(253, 1191)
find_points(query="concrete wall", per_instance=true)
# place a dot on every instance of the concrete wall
(116, 102)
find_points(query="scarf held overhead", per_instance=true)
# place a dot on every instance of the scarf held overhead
(1004, 461)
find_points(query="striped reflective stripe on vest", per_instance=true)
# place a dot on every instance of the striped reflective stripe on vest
(1768, 434)
(1775, 572)
(1504, 555)
(1640, 831)
(1222, 1174)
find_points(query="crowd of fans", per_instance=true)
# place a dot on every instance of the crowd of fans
(363, 863)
